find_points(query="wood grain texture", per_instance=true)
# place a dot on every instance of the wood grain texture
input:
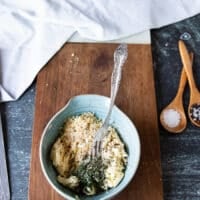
(86, 68)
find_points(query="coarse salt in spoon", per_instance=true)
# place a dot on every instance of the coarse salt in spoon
(173, 116)
(194, 104)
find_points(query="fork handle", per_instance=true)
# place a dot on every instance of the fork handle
(120, 57)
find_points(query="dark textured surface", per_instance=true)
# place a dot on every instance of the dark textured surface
(180, 153)
(17, 118)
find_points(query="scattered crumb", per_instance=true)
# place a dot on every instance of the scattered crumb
(75, 60)
(166, 44)
(77, 197)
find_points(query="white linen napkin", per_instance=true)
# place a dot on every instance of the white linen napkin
(31, 32)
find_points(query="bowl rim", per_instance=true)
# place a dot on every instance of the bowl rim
(65, 195)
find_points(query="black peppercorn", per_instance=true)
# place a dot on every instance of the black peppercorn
(195, 113)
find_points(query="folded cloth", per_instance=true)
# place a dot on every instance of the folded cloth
(31, 32)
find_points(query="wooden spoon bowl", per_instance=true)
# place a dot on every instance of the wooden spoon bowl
(182, 123)
(194, 113)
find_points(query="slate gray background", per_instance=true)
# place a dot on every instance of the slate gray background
(180, 154)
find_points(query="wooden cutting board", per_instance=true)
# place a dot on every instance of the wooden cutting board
(86, 68)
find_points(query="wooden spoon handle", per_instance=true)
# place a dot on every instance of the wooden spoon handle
(187, 64)
(183, 81)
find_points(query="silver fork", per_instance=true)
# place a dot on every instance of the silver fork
(120, 56)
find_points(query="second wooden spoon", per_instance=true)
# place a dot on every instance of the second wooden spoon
(194, 105)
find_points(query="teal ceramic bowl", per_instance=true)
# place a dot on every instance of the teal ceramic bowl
(98, 105)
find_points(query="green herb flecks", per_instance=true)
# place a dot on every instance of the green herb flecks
(91, 175)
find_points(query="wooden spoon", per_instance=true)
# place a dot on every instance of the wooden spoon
(194, 104)
(176, 107)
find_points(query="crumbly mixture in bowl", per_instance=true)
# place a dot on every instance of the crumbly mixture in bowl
(72, 147)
